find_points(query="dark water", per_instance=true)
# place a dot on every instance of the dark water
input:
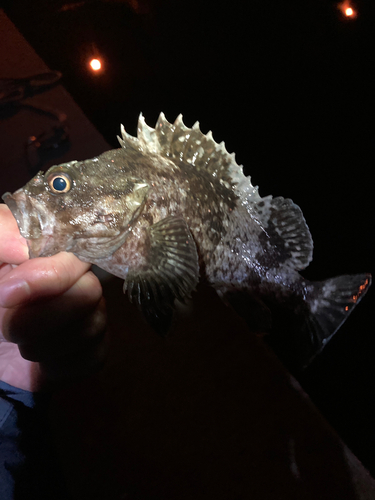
(289, 87)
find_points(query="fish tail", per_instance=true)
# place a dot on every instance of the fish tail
(330, 303)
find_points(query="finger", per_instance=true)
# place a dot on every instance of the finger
(63, 347)
(56, 322)
(53, 366)
(13, 248)
(40, 277)
(5, 269)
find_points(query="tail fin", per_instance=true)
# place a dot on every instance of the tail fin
(330, 303)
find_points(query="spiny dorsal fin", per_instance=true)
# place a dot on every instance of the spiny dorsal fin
(180, 143)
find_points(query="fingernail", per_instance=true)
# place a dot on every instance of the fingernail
(12, 292)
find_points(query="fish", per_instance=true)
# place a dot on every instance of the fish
(171, 207)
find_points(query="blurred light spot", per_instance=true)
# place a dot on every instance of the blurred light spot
(95, 64)
(347, 9)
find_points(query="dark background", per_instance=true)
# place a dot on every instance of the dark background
(289, 86)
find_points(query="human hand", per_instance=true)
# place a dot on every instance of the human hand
(52, 314)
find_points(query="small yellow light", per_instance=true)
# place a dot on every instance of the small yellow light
(349, 12)
(95, 64)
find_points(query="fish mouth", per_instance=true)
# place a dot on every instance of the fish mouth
(12, 205)
(30, 219)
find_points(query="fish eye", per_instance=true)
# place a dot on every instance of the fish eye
(59, 183)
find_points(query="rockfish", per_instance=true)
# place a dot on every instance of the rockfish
(172, 206)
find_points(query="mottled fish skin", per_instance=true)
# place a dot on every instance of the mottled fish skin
(171, 205)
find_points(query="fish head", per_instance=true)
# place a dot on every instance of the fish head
(80, 207)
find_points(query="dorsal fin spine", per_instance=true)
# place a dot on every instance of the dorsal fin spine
(177, 141)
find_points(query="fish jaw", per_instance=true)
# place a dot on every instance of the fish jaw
(34, 223)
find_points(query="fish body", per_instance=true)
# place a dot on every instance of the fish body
(171, 206)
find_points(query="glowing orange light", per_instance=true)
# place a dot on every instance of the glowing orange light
(347, 9)
(95, 64)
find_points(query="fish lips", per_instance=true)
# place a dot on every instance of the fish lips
(31, 219)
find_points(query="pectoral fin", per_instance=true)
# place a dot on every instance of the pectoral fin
(172, 272)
